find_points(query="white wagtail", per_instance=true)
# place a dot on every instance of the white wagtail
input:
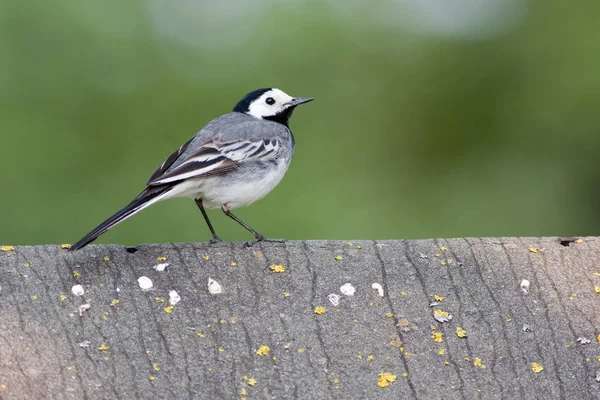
(233, 161)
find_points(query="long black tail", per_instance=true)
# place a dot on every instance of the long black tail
(148, 197)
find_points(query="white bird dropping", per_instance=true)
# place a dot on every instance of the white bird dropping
(77, 290)
(525, 285)
(334, 299)
(174, 297)
(379, 288)
(161, 267)
(214, 287)
(145, 282)
(83, 308)
(347, 289)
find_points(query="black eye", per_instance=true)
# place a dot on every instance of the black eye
(270, 101)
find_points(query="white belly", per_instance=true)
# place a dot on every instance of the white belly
(218, 190)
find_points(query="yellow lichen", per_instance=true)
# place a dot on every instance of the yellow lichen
(460, 332)
(233, 264)
(114, 302)
(200, 334)
(441, 352)
(251, 381)
(155, 367)
(370, 357)
(536, 367)
(597, 289)
(76, 274)
(152, 377)
(206, 257)
(397, 342)
(34, 297)
(65, 246)
(319, 310)
(62, 297)
(338, 258)
(263, 351)
(103, 347)
(441, 313)
(385, 379)
(389, 315)
(286, 294)
(438, 337)
(533, 249)
(438, 298)
(442, 263)
(478, 363)
(26, 265)
(300, 350)
(277, 268)
(169, 309)
(7, 248)
(161, 258)
(159, 299)
(579, 241)
(106, 258)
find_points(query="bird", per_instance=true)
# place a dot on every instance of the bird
(233, 161)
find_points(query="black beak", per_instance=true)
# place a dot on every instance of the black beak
(299, 100)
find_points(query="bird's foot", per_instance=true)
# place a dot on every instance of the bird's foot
(263, 239)
(215, 239)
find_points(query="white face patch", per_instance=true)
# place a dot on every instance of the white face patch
(269, 104)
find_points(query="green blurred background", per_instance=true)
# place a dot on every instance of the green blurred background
(432, 119)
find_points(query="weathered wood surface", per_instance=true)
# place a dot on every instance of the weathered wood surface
(207, 346)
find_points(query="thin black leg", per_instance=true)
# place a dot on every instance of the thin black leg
(215, 238)
(257, 236)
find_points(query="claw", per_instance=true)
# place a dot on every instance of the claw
(263, 239)
(215, 240)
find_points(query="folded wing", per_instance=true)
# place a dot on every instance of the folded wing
(213, 158)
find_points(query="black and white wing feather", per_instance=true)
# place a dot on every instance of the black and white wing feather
(214, 157)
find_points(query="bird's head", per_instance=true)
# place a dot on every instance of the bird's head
(270, 104)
